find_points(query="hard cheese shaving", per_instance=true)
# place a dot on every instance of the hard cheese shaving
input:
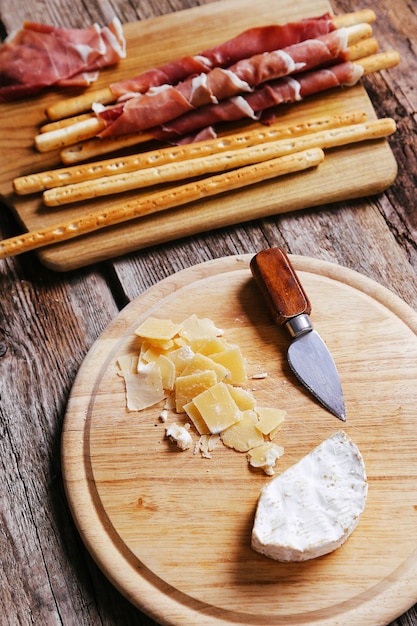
(201, 375)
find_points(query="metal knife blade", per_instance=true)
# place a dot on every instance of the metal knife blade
(308, 355)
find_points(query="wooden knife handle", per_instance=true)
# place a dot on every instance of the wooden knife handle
(279, 284)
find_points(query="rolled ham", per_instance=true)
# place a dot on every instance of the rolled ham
(263, 103)
(38, 56)
(167, 102)
(248, 43)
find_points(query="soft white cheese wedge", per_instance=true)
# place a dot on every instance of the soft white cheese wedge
(312, 508)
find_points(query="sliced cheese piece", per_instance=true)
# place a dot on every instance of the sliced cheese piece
(168, 373)
(143, 389)
(270, 420)
(233, 360)
(158, 329)
(162, 344)
(148, 353)
(199, 328)
(181, 357)
(208, 346)
(128, 363)
(196, 418)
(217, 408)
(243, 398)
(312, 507)
(201, 363)
(186, 387)
(265, 456)
(179, 435)
(244, 435)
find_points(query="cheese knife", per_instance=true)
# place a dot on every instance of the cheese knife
(308, 356)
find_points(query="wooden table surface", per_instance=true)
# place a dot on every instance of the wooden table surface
(50, 320)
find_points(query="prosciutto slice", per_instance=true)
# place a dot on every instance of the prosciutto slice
(161, 104)
(263, 103)
(38, 56)
(246, 44)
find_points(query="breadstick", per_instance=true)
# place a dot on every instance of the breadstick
(216, 162)
(363, 16)
(169, 172)
(49, 179)
(161, 201)
(90, 127)
(93, 148)
(79, 104)
(73, 106)
(55, 139)
(378, 62)
(68, 121)
(362, 49)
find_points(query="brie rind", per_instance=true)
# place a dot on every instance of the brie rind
(312, 507)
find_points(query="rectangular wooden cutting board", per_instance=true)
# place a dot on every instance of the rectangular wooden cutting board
(349, 172)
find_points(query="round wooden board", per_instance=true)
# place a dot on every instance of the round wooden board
(171, 530)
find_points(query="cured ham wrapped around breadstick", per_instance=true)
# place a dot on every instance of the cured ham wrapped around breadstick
(262, 102)
(246, 44)
(167, 102)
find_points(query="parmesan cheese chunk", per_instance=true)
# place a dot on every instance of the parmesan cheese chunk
(217, 408)
(158, 329)
(244, 435)
(312, 507)
(196, 418)
(181, 357)
(128, 363)
(167, 369)
(270, 420)
(233, 360)
(143, 389)
(199, 328)
(200, 363)
(187, 387)
(243, 398)
(208, 346)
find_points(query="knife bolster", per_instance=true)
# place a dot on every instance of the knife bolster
(299, 325)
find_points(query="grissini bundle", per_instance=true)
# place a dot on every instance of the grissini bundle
(344, 74)
(161, 201)
(79, 104)
(49, 179)
(173, 101)
(230, 159)
(363, 48)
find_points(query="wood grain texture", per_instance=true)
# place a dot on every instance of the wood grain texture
(351, 172)
(48, 321)
(172, 529)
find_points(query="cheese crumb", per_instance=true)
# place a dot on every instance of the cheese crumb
(206, 445)
(260, 376)
(265, 456)
(163, 416)
(179, 435)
